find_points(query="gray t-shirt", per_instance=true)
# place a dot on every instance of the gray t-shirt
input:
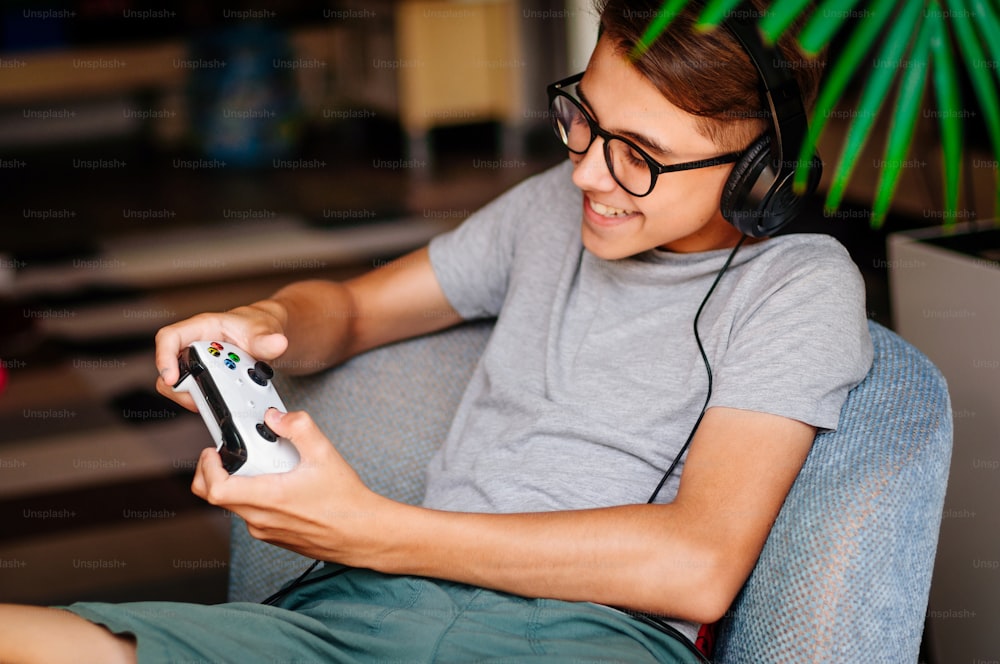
(592, 379)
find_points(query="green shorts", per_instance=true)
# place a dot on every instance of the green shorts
(354, 615)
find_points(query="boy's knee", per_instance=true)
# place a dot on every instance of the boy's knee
(38, 634)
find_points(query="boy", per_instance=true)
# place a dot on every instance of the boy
(640, 339)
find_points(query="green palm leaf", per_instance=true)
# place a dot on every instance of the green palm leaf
(825, 22)
(780, 17)
(660, 23)
(891, 59)
(950, 118)
(715, 12)
(838, 78)
(984, 85)
(975, 24)
(904, 122)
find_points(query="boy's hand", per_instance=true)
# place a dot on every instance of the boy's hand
(252, 328)
(320, 509)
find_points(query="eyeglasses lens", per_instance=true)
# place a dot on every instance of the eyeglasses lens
(627, 166)
(570, 124)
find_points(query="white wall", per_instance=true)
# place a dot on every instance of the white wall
(581, 33)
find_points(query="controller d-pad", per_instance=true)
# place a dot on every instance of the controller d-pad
(266, 433)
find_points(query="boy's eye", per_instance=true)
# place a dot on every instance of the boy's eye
(577, 121)
(635, 159)
(628, 154)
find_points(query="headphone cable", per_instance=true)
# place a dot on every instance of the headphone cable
(708, 370)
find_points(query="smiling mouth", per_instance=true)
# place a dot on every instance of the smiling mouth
(608, 211)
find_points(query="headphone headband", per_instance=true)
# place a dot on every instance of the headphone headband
(781, 91)
(759, 199)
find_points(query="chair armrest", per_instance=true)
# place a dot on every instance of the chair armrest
(845, 573)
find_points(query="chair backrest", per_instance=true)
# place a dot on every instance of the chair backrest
(845, 573)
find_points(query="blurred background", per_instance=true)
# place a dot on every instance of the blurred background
(162, 159)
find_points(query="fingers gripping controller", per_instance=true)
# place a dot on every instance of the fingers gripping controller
(233, 391)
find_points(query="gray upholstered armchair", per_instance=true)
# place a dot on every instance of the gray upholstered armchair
(845, 573)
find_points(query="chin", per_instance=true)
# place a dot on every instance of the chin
(609, 250)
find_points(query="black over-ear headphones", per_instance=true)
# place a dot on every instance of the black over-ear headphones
(758, 198)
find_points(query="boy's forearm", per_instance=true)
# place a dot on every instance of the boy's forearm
(630, 557)
(328, 322)
(316, 317)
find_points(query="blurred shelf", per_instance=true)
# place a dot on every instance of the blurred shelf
(56, 75)
(115, 69)
(219, 252)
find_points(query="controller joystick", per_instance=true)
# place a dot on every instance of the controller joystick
(266, 433)
(233, 409)
(260, 372)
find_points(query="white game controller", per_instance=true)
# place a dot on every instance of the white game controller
(233, 391)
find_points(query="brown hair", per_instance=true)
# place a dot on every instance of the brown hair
(707, 74)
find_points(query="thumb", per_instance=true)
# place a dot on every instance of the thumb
(208, 474)
(317, 455)
(299, 428)
(268, 346)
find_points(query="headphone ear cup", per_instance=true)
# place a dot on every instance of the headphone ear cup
(755, 202)
(784, 205)
(736, 204)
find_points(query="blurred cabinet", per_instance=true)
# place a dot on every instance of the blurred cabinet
(435, 63)
(459, 62)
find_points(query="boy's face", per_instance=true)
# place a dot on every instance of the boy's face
(682, 212)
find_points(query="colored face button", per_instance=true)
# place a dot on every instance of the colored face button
(234, 357)
(229, 363)
(216, 345)
(214, 352)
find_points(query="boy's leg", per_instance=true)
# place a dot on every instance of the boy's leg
(38, 634)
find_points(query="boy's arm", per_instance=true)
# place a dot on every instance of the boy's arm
(686, 560)
(310, 325)
(328, 322)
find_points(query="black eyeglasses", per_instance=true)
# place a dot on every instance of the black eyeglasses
(629, 165)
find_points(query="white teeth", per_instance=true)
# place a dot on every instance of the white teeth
(606, 211)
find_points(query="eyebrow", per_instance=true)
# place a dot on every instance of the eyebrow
(650, 143)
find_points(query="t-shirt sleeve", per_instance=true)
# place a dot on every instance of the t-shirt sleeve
(473, 262)
(801, 344)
